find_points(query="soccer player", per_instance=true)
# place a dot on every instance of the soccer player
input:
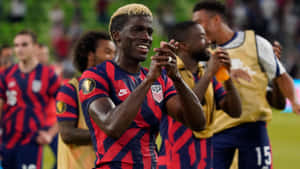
(42, 56)
(180, 149)
(75, 146)
(25, 89)
(123, 102)
(253, 55)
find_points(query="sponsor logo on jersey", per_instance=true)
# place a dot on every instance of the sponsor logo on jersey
(123, 92)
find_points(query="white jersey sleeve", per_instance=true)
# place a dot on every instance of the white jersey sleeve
(267, 59)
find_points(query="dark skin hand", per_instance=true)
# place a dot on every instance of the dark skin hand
(184, 94)
(46, 136)
(231, 103)
(114, 120)
(73, 135)
(275, 97)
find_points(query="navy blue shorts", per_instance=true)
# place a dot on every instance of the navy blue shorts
(27, 156)
(252, 141)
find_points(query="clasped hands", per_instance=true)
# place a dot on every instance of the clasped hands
(165, 57)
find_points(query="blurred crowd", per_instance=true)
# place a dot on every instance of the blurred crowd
(273, 19)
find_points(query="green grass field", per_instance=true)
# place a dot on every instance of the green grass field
(284, 132)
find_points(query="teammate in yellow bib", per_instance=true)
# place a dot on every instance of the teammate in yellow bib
(180, 148)
(74, 146)
(253, 57)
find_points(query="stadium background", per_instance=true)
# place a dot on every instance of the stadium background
(59, 23)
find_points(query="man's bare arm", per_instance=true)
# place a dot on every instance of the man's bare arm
(73, 135)
(286, 85)
(231, 103)
(186, 107)
(201, 87)
(114, 120)
(275, 97)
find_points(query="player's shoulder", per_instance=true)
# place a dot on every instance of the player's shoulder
(101, 73)
(106, 66)
(67, 89)
(45, 68)
(9, 69)
(262, 42)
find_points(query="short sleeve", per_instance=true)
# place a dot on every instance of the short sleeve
(67, 103)
(93, 84)
(267, 59)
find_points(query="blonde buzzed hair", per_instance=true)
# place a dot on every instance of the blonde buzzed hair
(134, 9)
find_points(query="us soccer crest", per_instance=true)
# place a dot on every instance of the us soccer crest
(88, 85)
(157, 93)
(36, 85)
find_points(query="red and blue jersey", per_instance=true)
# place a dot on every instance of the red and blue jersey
(51, 109)
(180, 149)
(67, 103)
(136, 147)
(25, 96)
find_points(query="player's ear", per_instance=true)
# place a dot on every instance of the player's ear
(182, 46)
(116, 36)
(217, 19)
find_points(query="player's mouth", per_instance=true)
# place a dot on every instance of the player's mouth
(143, 48)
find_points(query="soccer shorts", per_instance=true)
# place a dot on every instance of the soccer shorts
(27, 156)
(252, 142)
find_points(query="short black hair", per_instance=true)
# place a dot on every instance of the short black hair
(87, 43)
(212, 6)
(118, 23)
(30, 33)
(179, 32)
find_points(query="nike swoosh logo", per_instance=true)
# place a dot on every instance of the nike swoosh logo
(122, 92)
